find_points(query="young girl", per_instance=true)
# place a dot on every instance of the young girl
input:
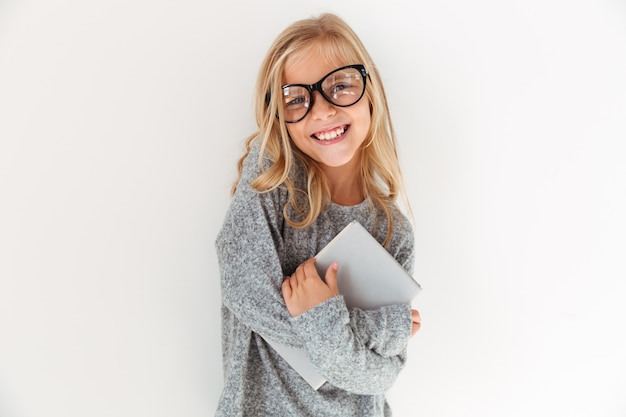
(324, 155)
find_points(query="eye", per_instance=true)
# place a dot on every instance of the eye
(338, 87)
(346, 88)
(295, 101)
(342, 83)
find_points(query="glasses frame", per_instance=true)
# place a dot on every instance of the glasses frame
(318, 87)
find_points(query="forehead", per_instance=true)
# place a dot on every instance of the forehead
(309, 66)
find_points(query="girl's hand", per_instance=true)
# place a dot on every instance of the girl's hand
(416, 322)
(305, 289)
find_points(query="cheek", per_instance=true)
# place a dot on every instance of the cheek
(365, 115)
(293, 130)
(296, 136)
(365, 108)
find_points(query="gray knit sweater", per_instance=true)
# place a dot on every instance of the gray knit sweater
(360, 353)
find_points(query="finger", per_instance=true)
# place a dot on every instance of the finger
(331, 277)
(293, 281)
(415, 316)
(416, 322)
(286, 288)
(300, 273)
(415, 327)
(308, 267)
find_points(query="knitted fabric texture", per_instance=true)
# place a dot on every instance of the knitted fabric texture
(359, 352)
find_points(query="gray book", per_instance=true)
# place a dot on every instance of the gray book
(368, 278)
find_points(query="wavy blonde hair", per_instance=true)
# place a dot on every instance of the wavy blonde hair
(381, 176)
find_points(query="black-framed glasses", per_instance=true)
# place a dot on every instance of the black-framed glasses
(342, 87)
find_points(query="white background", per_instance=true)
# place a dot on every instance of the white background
(120, 126)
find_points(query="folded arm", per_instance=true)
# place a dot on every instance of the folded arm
(359, 351)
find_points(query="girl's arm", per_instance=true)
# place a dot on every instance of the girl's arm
(381, 330)
(334, 340)
(251, 276)
(249, 248)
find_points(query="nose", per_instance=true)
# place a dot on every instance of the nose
(321, 109)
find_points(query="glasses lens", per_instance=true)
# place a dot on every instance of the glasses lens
(296, 101)
(344, 87)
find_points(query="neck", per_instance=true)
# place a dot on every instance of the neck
(345, 184)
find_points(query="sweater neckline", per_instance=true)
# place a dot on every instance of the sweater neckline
(358, 206)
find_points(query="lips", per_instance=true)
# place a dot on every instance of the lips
(330, 134)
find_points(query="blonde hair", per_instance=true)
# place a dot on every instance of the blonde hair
(380, 169)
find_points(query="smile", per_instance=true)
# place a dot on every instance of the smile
(330, 134)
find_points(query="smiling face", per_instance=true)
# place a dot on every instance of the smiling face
(329, 134)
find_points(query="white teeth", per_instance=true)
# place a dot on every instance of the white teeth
(332, 134)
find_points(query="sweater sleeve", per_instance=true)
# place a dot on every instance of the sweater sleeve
(339, 354)
(383, 330)
(248, 250)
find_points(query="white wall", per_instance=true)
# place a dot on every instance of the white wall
(120, 125)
